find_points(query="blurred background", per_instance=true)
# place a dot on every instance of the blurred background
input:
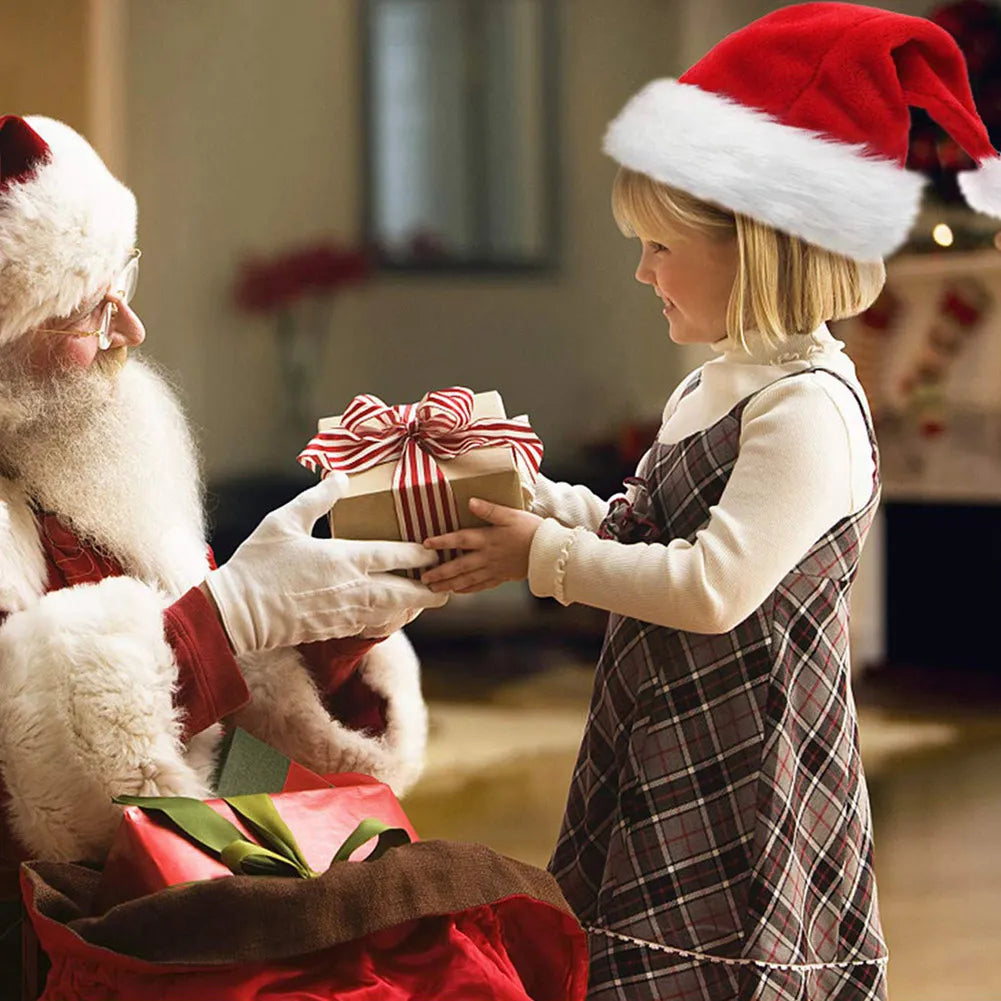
(393, 196)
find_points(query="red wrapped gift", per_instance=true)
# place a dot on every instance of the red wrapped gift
(149, 853)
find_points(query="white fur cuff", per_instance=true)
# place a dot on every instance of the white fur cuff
(86, 713)
(286, 711)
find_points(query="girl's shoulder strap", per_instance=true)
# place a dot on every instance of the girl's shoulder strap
(684, 388)
(694, 381)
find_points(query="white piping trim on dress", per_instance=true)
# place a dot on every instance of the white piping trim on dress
(727, 961)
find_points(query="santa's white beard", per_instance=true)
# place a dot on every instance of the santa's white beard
(108, 451)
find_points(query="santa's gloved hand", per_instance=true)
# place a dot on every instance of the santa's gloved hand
(282, 587)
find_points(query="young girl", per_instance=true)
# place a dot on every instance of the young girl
(717, 841)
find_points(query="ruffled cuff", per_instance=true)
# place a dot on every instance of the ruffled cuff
(548, 559)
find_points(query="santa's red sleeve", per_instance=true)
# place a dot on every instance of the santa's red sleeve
(210, 684)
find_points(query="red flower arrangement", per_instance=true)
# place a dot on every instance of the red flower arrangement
(297, 288)
(270, 285)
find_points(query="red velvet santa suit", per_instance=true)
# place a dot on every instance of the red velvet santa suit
(347, 704)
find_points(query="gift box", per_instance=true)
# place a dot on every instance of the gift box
(149, 853)
(412, 468)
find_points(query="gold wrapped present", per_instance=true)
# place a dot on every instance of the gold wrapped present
(413, 468)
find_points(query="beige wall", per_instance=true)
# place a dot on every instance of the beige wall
(243, 135)
(64, 59)
(43, 66)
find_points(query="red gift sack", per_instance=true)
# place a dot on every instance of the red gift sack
(452, 922)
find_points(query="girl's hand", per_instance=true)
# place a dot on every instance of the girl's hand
(491, 555)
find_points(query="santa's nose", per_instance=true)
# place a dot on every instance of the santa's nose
(127, 330)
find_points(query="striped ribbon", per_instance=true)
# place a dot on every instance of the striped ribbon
(418, 436)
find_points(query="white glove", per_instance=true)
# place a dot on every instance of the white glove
(282, 587)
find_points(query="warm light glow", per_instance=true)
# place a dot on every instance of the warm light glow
(942, 235)
(997, 240)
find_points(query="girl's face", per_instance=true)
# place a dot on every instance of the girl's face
(693, 275)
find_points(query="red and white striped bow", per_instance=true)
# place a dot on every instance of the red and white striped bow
(440, 426)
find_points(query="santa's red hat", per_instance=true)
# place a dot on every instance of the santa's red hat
(801, 120)
(66, 224)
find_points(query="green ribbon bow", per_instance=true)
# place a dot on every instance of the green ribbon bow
(278, 854)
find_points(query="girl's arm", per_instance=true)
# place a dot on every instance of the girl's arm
(793, 480)
(571, 504)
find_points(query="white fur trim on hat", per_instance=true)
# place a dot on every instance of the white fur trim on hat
(285, 711)
(66, 230)
(831, 194)
(87, 713)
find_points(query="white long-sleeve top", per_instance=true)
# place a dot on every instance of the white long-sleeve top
(805, 462)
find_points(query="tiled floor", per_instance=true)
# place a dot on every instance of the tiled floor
(499, 767)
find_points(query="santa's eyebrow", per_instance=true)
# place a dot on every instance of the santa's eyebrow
(82, 311)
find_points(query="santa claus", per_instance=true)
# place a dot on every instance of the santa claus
(121, 647)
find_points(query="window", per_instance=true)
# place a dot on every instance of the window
(461, 123)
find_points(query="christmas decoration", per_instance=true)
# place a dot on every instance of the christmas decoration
(869, 347)
(414, 467)
(960, 309)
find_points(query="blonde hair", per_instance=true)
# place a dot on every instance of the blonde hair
(784, 286)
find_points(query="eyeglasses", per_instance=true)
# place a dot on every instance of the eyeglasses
(122, 288)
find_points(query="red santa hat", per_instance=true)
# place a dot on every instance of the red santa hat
(66, 224)
(801, 120)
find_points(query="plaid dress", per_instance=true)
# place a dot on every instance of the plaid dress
(717, 841)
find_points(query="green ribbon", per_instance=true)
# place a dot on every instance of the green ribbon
(388, 837)
(278, 853)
